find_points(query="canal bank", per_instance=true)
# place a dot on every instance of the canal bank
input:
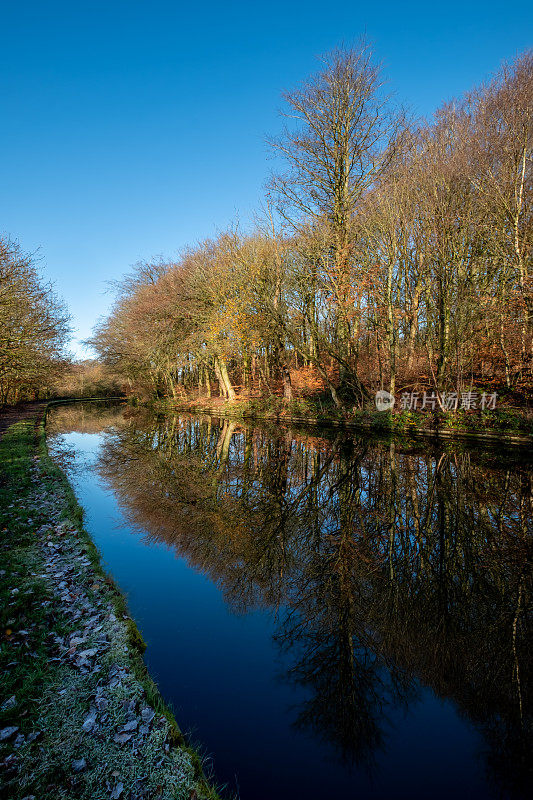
(505, 427)
(79, 714)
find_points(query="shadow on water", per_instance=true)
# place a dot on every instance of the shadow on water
(391, 573)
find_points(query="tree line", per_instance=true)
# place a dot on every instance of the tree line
(389, 253)
(34, 328)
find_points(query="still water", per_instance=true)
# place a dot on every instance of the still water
(329, 615)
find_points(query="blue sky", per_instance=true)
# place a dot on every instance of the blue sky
(131, 129)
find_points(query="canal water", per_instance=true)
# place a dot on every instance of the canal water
(328, 615)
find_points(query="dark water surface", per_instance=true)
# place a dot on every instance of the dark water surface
(330, 616)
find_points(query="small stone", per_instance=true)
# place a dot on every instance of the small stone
(117, 791)
(79, 765)
(34, 735)
(132, 725)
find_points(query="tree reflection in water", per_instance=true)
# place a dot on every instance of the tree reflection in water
(388, 566)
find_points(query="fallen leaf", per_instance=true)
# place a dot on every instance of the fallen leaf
(7, 733)
(122, 738)
(117, 791)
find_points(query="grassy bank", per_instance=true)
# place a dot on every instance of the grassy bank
(507, 425)
(79, 715)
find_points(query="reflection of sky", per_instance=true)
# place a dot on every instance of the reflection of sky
(220, 671)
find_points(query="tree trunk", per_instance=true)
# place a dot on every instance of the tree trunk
(223, 372)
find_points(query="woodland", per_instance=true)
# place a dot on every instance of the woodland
(387, 253)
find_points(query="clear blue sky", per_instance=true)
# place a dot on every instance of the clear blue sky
(131, 129)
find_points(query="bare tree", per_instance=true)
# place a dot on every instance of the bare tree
(338, 144)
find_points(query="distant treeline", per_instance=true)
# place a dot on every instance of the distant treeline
(34, 334)
(389, 253)
(34, 328)
(87, 378)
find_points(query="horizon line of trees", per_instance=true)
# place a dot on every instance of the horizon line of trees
(390, 253)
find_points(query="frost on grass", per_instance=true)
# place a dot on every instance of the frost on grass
(94, 731)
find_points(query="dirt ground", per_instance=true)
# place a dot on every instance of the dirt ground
(11, 414)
